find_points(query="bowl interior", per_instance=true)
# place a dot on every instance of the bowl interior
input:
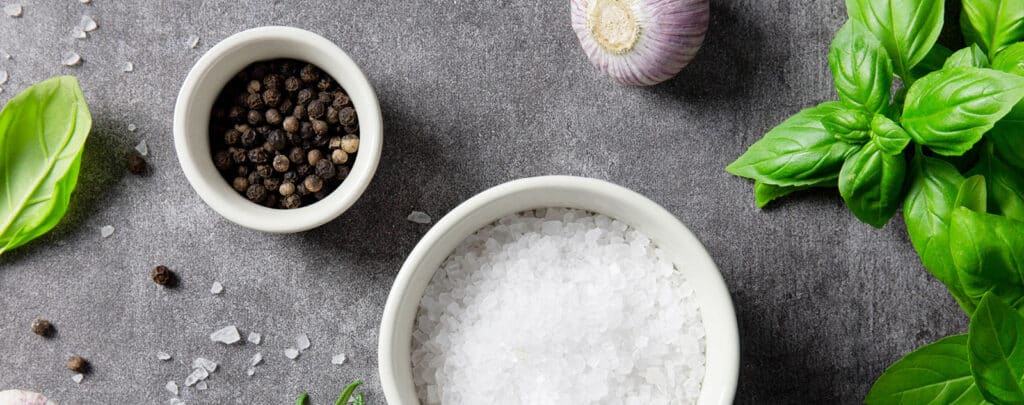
(208, 78)
(681, 247)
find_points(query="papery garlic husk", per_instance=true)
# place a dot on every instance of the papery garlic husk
(640, 42)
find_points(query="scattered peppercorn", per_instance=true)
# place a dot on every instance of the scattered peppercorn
(42, 327)
(77, 364)
(163, 276)
(137, 164)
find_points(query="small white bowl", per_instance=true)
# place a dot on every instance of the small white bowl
(204, 83)
(682, 248)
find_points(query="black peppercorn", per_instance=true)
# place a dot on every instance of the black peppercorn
(291, 124)
(339, 157)
(314, 156)
(249, 138)
(341, 172)
(315, 109)
(240, 184)
(254, 117)
(292, 84)
(297, 155)
(277, 140)
(42, 327)
(294, 138)
(273, 117)
(331, 116)
(286, 189)
(287, 68)
(271, 201)
(325, 98)
(304, 96)
(264, 171)
(273, 81)
(320, 140)
(301, 189)
(272, 97)
(162, 276)
(320, 127)
(335, 142)
(325, 169)
(253, 178)
(350, 129)
(242, 171)
(320, 195)
(271, 184)
(306, 130)
(281, 163)
(323, 84)
(300, 112)
(291, 201)
(309, 74)
(350, 143)
(347, 116)
(77, 364)
(253, 87)
(254, 101)
(136, 164)
(238, 155)
(222, 161)
(304, 170)
(232, 136)
(256, 193)
(258, 155)
(313, 183)
(290, 176)
(340, 100)
(285, 107)
(236, 113)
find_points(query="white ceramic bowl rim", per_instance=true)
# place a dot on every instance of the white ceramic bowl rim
(205, 81)
(719, 318)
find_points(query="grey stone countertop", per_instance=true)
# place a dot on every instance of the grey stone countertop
(474, 94)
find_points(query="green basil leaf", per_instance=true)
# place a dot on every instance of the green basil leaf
(992, 24)
(988, 251)
(766, 193)
(849, 125)
(798, 152)
(927, 210)
(1010, 59)
(932, 61)
(949, 110)
(347, 393)
(888, 135)
(995, 347)
(906, 28)
(1008, 143)
(42, 132)
(1005, 185)
(870, 182)
(937, 373)
(303, 399)
(973, 194)
(971, 56)
(860, 67)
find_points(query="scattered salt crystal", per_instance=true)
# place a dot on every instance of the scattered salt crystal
(256, 359)
(13, 10)
(418, 217)
(131, 128)
(216, 288)
(71, 58)
(106, 231)
(291, 353)
(87, 24)
(79, 33)
(339, 359)
(77, 378)
(193, 41)
(197, 375)
(172, 387)
(85, 1)
(302, 342)
(127, 67)
(250, 371)
(3, 76)
(142, 148)
(202, 386)
(204, 363)
(227, 335)
(175, 401)
(255, 338)
(163, 356)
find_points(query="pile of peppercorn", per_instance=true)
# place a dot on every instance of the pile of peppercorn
(283, 133)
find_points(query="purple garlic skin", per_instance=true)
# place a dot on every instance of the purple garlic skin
(640, 42)
(19, 397)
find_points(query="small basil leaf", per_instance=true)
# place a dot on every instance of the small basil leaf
(347, 393)
(971, 56)
(949, 110)
(938, 373)
(1010, 59)
(992, 24)
(972, 194)
(927, 210)
(1005, 185)
(932, 61)
(850, 126)
(860, 67)
(798, 152)
(870, 183)
(1008, 143)
(995, 348)
(906, 28)
(988, 251)
(765, 193)
(888, 135)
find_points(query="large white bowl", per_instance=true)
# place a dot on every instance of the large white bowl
(204, 83)
(394, 348)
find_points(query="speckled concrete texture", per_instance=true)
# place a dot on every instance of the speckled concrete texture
(474, 93)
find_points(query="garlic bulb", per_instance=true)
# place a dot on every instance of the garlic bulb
(640, 42)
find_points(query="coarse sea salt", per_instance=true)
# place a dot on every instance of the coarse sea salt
(202, 386)
(77, 378)
(207, 364)
(256, 359)
(254, 338)
(227, 335)
(13, 10)
(302, 342)
(3, 77)
(143, 150)
(172, 387)
(127, 67)
(163, 356)
(197, 375)
(418, 217)
(339, 359)
(87, 24)
(106, 231)
(217, 287)
(193, 41)
(291, 353)
(558, 306)
(71, 58)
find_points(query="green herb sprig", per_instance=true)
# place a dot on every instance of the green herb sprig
(947, 146)
(343, 399)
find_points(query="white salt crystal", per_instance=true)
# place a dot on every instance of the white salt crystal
(127, 67)
(250, 371)
(106, 231)
(77, 378)
(193, 41)
(13, 10)
(131, 128)
(197, 375)
(78, 33)
(71, 58)
(87, 24)
(172, 387)
(216, 288)
(302, 342)
(254, 338)
(3, 76)
(85, 1)
(204, 363)
(291, 353)
(142, 148)
(176, 401)
(256, 359)
(227, 335)
(202, 386)
(418, 217)
(339, 359)
(163, 356)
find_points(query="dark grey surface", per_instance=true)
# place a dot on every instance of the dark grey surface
(474, 93)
